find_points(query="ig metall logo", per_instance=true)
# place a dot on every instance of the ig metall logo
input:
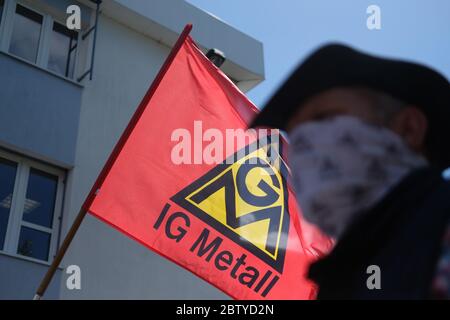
(246, 201)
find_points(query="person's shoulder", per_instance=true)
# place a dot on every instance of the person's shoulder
(436, 183)
(438, 201)
(442, 189)
(441, 281)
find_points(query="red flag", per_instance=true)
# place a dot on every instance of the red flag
(175, 185)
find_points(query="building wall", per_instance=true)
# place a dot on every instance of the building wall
(38, 111)
(113, 266)
(20, 278)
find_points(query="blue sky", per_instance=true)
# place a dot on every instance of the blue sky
(417, 30)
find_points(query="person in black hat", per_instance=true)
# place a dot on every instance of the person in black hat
(368, 146)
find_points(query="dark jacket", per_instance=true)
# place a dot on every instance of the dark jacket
(402, 235)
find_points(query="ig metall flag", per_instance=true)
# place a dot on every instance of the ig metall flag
(234, 221)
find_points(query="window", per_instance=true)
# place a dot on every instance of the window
(30, 206)
(2, 5)
(7, 177)
(62, 50)
(37, 216)
(26, 34)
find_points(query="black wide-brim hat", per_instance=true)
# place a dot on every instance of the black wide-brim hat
(337, 65)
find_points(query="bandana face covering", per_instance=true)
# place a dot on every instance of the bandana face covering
(343, 166)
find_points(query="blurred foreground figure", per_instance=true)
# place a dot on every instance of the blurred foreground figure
(369, 140)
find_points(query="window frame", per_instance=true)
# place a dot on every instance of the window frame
(15, 220)
(77, 50)
(43, 54)
(3, 13)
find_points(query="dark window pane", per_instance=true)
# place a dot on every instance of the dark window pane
(40, 200)
(63, 47)
(34, 243)
(26, 34)
(7, 178)
(2, 4)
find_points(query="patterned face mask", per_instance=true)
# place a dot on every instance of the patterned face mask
(343, 166)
